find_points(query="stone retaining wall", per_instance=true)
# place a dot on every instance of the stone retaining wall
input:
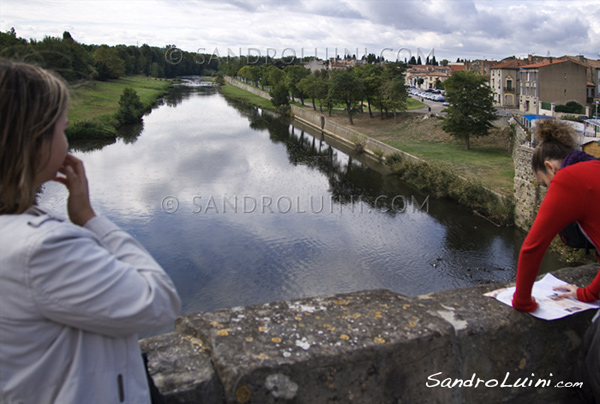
(248, 88)
(528, 193)
(351, 137)
(373, 347)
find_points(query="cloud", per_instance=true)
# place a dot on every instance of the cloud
(486, 29)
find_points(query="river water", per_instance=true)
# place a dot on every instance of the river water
(242, 207)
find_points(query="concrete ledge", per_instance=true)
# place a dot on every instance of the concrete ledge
(371, 347)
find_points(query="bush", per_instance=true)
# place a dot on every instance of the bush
(93, 129)
(573, 118)
(443, 183)
(131, 108)
(571, 107)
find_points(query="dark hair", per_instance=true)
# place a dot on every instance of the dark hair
(556, 142)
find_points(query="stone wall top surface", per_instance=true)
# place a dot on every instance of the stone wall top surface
(369, 347)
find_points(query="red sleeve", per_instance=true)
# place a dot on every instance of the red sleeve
(562, 205)
(591, 292)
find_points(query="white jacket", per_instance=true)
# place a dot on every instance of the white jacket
(72, 301)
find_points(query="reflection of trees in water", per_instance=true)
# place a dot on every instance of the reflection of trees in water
(350, 182)
(181, 92)
(130, 133)
(89, 145)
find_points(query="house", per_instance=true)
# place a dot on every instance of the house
(593, 77)
(551, 82)
(343, 64)
(481, 66)
(504, 82)
(593, 96)
(427, 76)
(314, 65)
(457, 67)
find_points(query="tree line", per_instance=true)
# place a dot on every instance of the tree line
(374, 83)
(376, 86)
(470, 112)
(75, 61)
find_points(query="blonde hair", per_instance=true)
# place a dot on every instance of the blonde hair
(32, 101)
(556, 142)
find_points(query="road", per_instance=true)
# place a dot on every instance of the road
(436, 106)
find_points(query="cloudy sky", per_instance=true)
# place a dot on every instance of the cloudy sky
(448, 29)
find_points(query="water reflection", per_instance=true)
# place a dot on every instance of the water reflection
(241, 206)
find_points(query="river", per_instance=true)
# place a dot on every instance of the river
(242, 207)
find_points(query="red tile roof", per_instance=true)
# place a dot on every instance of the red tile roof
(545, 63)
(458, 68)
(511, 64)
(594, 63)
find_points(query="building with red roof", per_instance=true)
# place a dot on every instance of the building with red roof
(504, 82)
(553, 81)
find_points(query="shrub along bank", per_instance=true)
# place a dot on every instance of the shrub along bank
(442, 181)
(95, 105)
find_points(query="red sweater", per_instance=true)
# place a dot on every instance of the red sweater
(573, 195)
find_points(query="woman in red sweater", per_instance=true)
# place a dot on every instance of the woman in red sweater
(573, 181)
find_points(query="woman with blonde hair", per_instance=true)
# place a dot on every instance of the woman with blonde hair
(74, 293)
(573, 181)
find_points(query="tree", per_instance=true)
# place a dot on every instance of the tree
(471, 110)
(393, 88)
(293, 75)
(308, 85)
(131, 108)
(108, 63)
(371, 77)
(322, 87)
(280, 95)
(274, 76)
(371, 58)
(346, 88)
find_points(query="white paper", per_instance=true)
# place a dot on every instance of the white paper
(549, 307)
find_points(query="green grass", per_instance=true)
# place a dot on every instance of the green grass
(243, 95)
(412, 104)
(100, 99)
(488, 161)
(491, 165)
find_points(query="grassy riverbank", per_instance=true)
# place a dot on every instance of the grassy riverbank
(95, 103)
(489, 160)
(237, 93)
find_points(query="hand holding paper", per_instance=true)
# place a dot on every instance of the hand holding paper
(551, 304)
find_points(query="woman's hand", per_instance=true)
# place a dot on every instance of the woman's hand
(569, 291)
(78, 205)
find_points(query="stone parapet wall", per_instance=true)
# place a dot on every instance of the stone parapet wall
(373, 346)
